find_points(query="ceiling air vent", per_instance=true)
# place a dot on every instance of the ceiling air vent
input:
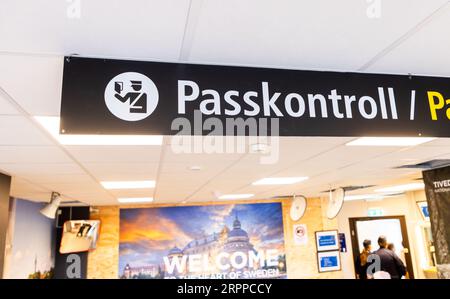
(73, 203)
(428, 164)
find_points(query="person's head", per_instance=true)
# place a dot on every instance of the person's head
(391, 246)
(382, 241)
(136, 85)
(367, 245)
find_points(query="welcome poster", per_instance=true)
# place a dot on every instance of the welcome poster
(216, 241)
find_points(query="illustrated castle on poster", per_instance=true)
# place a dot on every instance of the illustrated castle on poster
(225, 241)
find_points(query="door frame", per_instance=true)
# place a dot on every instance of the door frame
(355, 245)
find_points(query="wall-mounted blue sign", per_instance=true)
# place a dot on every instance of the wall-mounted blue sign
(425, 211)
(423, 207)
(328, 261)
(342, 243)
(327, 240)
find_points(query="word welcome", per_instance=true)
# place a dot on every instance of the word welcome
(223, 261)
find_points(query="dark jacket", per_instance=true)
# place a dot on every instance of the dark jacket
(391, 263)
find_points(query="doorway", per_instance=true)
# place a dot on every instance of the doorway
(393, 227)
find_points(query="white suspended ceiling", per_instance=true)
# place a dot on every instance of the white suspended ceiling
(409, 36)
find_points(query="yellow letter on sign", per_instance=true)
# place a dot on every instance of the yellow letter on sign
(433, 105)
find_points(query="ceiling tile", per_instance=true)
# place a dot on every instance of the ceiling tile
(424, 53)
(342, 156)
(122, 171)
(41, 178)
(312, 34)
(29, 169)
(21, 188)
(33, 82)
(115, 154)
(6, 108)
(140, 29)
(18, 130)
(32, 154)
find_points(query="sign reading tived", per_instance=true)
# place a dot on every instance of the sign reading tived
(133, 97)
(437, 190)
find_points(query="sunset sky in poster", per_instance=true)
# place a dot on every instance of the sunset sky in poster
(146, 235)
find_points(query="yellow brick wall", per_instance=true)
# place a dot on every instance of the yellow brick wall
(103, 262)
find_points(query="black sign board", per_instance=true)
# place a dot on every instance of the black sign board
(102, 96)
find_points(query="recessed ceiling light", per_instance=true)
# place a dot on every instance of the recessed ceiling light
(389, 141)
(128, 184)
(403, 188)
(135, 199)
(236, 196)
(280, 180)
(51, 124)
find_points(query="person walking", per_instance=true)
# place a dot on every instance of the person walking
(389, 261)
(361, 261)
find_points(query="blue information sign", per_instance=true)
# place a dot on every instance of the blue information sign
(327, 240)
(425, 211)
(328, 261)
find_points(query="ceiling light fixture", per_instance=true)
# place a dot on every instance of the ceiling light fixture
(236, 196)
(134, 199)
(280, 180)
(128, 184)
(51, 125)
(389, 141)
(403, 188)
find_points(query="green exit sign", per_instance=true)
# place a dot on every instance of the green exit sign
(373, 212)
